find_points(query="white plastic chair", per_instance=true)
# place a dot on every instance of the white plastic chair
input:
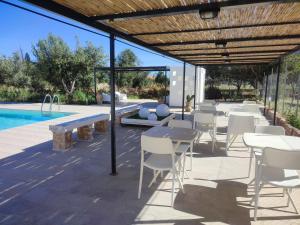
(181, 123)
(237, 109)
(251, 108)
(210, 101)
(238, 125)
(278, 168)
(204, 121)
(183, 147)
(202, 104)
(162, 158)
(208, 108)
(257, 153)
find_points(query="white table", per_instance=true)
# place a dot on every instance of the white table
(257, 140)
(256, 116)
(175, 134)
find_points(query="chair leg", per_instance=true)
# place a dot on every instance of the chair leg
(191, 155)
(141, 181)
(213, 141)
(229, 141)
(155, 175)
(173, 187)
(291, 200)
(183, 167)
(256, 200)
(179, 181)
(250, 162)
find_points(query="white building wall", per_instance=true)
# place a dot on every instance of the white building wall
(176, 82)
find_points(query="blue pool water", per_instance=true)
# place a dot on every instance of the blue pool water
(10, 118)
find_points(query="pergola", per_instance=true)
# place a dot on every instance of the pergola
(198, 32)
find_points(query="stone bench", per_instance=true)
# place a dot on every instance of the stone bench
(62, 133)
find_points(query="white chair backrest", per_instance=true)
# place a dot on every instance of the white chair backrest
(208, 108)
(157, 145)
(203, 118)
(238, 125)
(275, 130)
(249, 102)
(211, 101)
(283, 159)
(251, 108)
(237, 109)
(180, 123)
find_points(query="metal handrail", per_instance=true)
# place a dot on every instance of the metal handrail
(58, 102)
(50, 98)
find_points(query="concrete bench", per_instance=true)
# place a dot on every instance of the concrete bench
(126, 111)
(62, 133)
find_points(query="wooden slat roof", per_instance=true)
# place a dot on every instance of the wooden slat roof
(255, 31)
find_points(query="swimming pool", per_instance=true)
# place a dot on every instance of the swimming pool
(10, 118)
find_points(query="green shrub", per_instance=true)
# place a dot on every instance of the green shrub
(213, 93)
(294, 120)
(14, 94)
(79, 97)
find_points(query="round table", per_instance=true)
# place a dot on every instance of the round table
(258, 140)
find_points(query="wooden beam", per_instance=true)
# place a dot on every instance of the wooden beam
(216, 28)
(230, 53)
(180, 9)
(263, 38)
(213, 60)
(235, 47)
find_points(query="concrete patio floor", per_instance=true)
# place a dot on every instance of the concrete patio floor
(39, 186)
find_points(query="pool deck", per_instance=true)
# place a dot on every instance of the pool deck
(15, 140)
(42, 187)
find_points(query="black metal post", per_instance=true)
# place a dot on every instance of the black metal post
(95, 85)
(183, 91)
(166, 83)
(276, 93)
(195, 86)
(266, 92)
(112, 105)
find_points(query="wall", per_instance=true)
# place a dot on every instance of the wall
(176, 82)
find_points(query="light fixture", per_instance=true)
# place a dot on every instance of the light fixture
(209, 13)
(225, 54)
(220, 44)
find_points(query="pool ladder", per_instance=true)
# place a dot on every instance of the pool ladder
(51, 102)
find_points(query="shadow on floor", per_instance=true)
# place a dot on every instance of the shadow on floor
(214, 204)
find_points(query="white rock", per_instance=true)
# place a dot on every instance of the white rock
(162, 110)
(144, 112)
(152, 116)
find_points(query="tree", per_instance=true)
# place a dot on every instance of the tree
(293, 76)
(53, 58)
(160, 78)
(126, 58)
(64, 69)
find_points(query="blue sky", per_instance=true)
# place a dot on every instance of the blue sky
(22, 29)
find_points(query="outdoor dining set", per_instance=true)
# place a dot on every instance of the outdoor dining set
(276, 156)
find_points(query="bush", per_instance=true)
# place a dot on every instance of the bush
(81, 98)
(294, 120)
(213, 93)
(13, 94)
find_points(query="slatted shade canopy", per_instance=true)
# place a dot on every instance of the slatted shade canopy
(252, 31)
